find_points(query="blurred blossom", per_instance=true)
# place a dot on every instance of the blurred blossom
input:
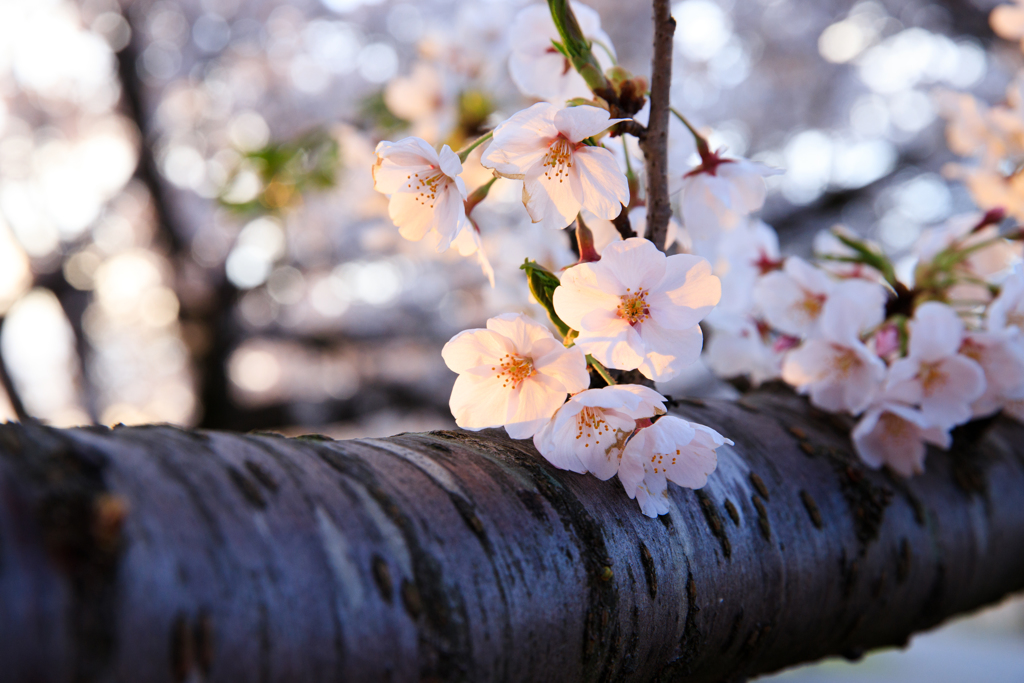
(702, 28)
(15, 276)
(38, 346)
(377, 62)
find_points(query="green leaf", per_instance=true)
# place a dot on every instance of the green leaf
(543, 284)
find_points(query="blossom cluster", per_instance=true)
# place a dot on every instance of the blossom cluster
(912, 358)
(628, 312)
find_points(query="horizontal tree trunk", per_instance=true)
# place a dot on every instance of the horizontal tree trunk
(157, 554)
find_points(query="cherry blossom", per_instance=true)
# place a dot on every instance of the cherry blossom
(894, 434)
(672, 449)
(1002, 361)
(1007, 310)
(543, 146)
(513, 374)
(637, 308)
(719, 193)
(740, 345)
(588, 433)
(934, 375)
(427, 195)
(537, 68)
(837, 369)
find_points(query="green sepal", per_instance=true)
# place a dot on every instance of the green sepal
(543, 284)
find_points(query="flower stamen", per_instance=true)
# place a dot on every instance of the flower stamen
(559, 158)
(514, 369)
(633, 307)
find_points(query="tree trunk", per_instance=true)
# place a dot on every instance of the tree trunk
(157, 554)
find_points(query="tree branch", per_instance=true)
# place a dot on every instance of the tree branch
(153, 553)
(655, 141)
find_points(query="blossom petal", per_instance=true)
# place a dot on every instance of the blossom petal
(449, 162)
(605, 188)
(470, 349)
(543, 194)
(935, 332)
(566, 366)
(636, 263)
(691, 291)
(478, 402)
(522, 331)
(578, 123)
(533, 404)
(580, 293)
(522, 141)
(669, 351)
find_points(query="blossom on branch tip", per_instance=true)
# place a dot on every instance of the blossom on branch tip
(513, 374)
(588, 433)
(671, 449)
(719, 193)
(543, 146)
(427, 195)
(639, 309)
(537, 68)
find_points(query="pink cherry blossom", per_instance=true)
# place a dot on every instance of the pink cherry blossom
(836, 368)
(588, 433)
(1002, 360)
(894, 434)
(637, 308)
(672, 449)
(427, 195)
(513, 374)
(543, 146)
(934, 376)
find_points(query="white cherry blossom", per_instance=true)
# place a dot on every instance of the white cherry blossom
(672, 449)
(793, 299)
(637, 308)
(934, 376)
(741, 346)
(513, 374)
(739, 259)
(427, 194)
(894, 434)
(1002, 361)
(718, 194)
(836, 368)
(537, 68)
(543, 146)
(588, 433)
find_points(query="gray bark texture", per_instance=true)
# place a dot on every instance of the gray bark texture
(158, 554)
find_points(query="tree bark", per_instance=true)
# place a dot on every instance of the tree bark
(158, 554)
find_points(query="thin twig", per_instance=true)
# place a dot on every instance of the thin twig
(655, 142)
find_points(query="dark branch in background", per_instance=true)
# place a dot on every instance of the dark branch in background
(655, 143)
(457, 556)
(12, 391)
(209, 319)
